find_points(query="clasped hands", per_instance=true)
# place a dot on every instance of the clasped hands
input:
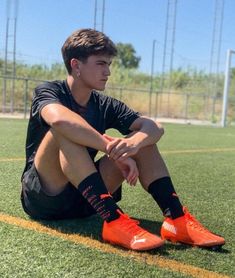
(120, 150)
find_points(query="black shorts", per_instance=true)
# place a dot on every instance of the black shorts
(68, 204)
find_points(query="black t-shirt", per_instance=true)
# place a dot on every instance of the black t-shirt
(102, 112)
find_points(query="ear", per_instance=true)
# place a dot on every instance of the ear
(75, 64)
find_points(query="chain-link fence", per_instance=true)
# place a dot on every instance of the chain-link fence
(17, 93)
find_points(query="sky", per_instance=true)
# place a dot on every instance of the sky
(43, 26)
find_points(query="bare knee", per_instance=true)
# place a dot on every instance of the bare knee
(59, 160)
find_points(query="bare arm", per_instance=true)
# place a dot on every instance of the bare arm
(145, 132)
(148, 132)
(76, 129)
(73, 127)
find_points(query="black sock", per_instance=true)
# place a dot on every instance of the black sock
(164, 194)
(94, 190)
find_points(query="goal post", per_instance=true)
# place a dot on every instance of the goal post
(226, 86)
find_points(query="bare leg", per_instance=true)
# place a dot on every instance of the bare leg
(110, 174)
(59, 160)
(155, 179)
(151, 165)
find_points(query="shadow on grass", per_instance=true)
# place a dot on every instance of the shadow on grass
(92, 227)
(87, 227)
(154, 227)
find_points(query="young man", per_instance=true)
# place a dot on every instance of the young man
(67, 128)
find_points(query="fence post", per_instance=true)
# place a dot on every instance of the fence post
(150, 102)
(26, 98)
(4, 93)
(186, 107)
(226, 87)
(213, 109)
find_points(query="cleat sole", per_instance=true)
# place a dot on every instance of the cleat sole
(216, 247)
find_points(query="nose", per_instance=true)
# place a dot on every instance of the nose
(107, 71)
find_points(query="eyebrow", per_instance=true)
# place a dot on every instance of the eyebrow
(103, 61)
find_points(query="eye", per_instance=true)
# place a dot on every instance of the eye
(100, 63)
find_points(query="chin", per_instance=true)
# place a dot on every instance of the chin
(100, 88)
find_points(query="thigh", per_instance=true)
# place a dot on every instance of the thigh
(47, 163)
(39, 205)
(59, 161)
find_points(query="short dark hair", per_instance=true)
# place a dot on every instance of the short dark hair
(86, 42)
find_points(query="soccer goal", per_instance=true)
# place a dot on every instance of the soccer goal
(230, 52)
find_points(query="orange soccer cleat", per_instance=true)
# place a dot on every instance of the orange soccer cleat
(125, 232)
(186, 229)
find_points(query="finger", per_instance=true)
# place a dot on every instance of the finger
(134, 179)
(131, 174)
(111, 145)
(118, 150)
(127, 153)
(109, 138)
(135, 176)
(124, 155)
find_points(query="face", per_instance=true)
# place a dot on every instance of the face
(94, 73)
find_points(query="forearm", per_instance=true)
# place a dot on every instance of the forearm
(149, 133)
(73, 127)
(145, 132)
(82, 134)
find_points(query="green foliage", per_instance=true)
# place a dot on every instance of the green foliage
(233, 72)
(1, 65)
(37, 71)
(125, 74)
(133, 87)
(126, 57)
(131, 78)
(179, 78)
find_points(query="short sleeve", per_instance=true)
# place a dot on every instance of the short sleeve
(120, 116)
(43, 95)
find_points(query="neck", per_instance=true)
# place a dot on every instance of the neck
(80, 93)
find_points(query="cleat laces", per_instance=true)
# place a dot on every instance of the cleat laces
(131, 226)
(194, 223)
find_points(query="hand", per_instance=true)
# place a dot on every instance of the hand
(129, 170)
(120, 148)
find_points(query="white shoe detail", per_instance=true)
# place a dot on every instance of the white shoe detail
(169, 227)
(138, 240)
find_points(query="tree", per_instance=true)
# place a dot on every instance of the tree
(233, 73)
(126, 56)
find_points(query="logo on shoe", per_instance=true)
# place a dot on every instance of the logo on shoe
(141, 240)
(169, 227)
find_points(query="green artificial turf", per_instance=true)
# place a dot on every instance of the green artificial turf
(204, 180)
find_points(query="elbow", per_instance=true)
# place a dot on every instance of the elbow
(57, 123)
(53, 115)
(159, 130)
(54, 120)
